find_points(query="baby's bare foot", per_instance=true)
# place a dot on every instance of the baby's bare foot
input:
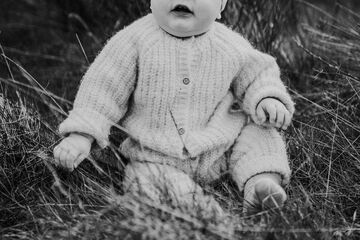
(263, 192)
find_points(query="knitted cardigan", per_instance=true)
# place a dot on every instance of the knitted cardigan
(168, 91)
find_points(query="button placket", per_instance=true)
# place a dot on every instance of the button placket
(180, 108)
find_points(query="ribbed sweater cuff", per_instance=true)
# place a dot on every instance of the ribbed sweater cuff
(88, 122)
(247, 168)
(254, 97)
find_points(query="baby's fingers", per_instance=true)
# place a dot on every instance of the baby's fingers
(79, 159)
(62, 158)
(65, 158)
(271, 110)
(260, 113)
(69, 161)
(280, 118)
(57, 153)
(60, 150)
(287, 121)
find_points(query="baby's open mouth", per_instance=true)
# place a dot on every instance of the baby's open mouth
(182, 9)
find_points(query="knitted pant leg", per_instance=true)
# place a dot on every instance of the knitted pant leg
(162, 183)
(258, 150)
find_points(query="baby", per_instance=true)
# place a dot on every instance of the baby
(197, 101)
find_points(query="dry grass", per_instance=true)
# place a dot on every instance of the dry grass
(321, 59)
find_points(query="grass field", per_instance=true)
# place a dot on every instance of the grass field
(47, 46)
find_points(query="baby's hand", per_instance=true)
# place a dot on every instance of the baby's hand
(271, 112)
(70, 152)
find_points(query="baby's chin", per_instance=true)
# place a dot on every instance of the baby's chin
(183, 32)
(183, 27)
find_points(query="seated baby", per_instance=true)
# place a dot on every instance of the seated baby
(172, 79)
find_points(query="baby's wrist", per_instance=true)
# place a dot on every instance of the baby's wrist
(84, 135)
(273, 100)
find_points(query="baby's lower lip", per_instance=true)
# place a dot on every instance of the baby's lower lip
(181, 13)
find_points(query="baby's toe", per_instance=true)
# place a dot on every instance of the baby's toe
(250, 208)
(251, 204)
(270, 194)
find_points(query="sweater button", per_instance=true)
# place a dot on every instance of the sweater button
(186, 81)
(181, 131)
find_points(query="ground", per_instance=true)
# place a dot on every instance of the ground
(47, 46)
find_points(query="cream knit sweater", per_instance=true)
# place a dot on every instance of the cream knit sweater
(173, 95)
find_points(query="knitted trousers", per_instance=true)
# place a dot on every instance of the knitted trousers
(256, 150)
(163, 183)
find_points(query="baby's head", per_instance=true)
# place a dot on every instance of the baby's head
(185, 18)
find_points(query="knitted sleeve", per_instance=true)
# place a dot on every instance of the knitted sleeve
(105, 89)
(259, 78)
